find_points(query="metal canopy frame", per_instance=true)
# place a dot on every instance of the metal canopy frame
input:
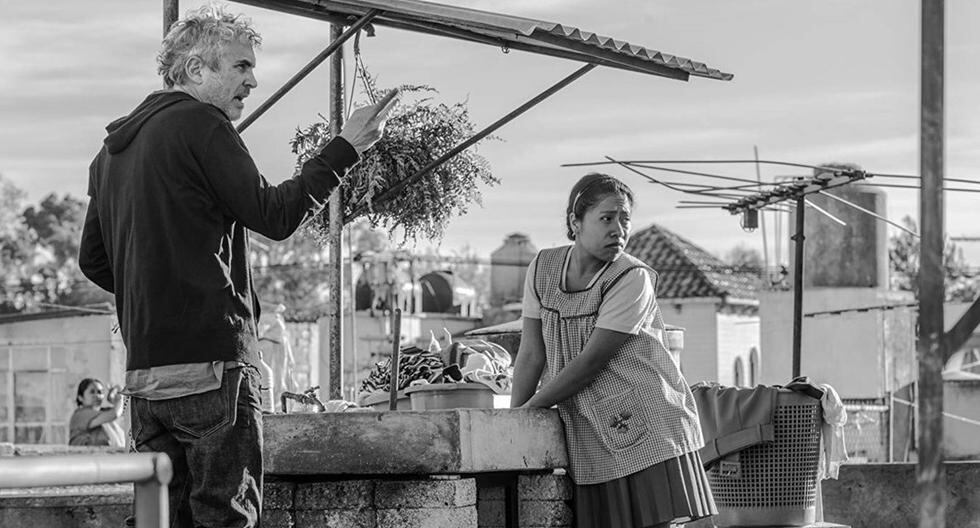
(496, 29)
(935, 346)
(504, 31)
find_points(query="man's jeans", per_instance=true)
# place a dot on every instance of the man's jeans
(214, 441)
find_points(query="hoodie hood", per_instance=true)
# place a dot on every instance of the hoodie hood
(122, 131)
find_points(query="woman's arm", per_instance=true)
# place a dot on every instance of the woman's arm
(530, 362)
(580, 372)
(111, 414)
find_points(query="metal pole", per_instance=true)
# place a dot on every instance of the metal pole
(170, 14)
(352, 313)
(151, 504)
(396, 338)
(930, 471)
(336, 44)
(171, 9)
(335, 273)
(798, 239)
(150, 472)
(762, 221)
(361, 207)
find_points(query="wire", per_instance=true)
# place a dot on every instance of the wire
(696, 202)
(693, 173)
(896, 186)
(768, 162)
(863, 210)
(946, 414)
(651, 178)
(911, 177)
(824, 212)
(100, 311)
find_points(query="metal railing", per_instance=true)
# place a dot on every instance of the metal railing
(150, 474)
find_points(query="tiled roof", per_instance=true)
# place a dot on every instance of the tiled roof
(688, 271)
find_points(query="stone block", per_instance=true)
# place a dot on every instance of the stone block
(94, 516)
(277, 518)
(336, 519)
(491, 513)
(278, 495)
(544, 487)
(489, 492)
(452, 441)
(442, 493)
(335, 494)
(462, 517)
(546, 514)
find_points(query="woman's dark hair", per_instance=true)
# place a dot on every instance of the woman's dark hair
(82, 387)
(590, 190)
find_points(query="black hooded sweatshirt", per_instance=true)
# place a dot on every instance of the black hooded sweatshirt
(173, 191)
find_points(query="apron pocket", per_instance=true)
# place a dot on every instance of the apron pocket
(621, 420)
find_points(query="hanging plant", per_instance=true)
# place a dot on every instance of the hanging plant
(418, 132)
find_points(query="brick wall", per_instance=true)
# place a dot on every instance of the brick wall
(371, 503)
(545, 501)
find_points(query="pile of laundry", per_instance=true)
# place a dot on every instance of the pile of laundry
(413, 364)
(463, 361)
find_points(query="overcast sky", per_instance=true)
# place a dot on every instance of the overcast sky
(815, 81)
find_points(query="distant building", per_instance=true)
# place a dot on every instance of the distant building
(43, 356)
(717, 306)
(508, 266)
(857, 335)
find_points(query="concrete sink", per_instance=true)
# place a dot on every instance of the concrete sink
(457, 441)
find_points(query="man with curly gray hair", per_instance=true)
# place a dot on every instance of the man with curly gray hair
(173, 193)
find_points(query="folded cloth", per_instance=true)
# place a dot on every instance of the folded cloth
(833, 452)
(734, 418)
(804, 385)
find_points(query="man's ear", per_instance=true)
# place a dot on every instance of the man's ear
(193, 68)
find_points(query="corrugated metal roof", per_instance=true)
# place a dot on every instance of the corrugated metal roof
(535, 36)
(686, 270)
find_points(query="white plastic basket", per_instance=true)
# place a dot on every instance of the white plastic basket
(774, 484)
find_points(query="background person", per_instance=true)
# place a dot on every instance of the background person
(591, 317)
(93, 424)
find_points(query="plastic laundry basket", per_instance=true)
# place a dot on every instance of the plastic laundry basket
(774, 484)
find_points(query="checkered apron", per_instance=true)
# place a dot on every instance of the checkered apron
(639, 410)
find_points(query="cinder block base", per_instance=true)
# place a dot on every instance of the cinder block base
(335, 495)
(423, 493)
(545, 501)
(278, 495)
(66, 517)
(278, 518)
(335, 518)
(462, 517)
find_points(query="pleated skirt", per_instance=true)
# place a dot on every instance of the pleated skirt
(673, 491)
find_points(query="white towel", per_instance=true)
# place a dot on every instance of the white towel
(833, 452)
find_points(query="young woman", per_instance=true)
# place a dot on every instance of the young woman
(93, 425)
(591, 318)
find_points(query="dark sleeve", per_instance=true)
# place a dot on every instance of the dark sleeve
(92, 257)
(275, 211)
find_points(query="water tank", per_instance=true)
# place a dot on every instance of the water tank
(508, 266)
(443, 292)
(844, 256)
